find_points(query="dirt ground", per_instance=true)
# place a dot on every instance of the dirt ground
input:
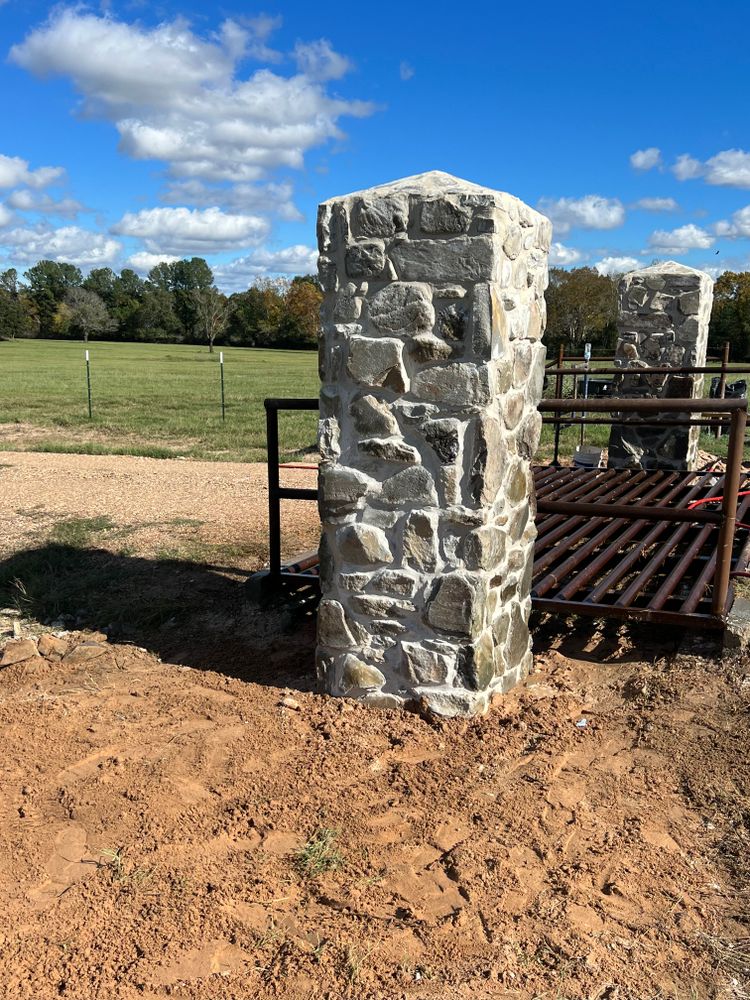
(183, 817)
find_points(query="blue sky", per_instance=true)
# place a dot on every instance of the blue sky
(139, 131)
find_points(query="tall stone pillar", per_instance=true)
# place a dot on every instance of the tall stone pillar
(432, 369)
(664, 311)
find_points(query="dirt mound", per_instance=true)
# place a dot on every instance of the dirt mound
(172, 832)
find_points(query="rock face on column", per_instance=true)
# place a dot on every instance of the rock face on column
(432, 369)
(663, 322)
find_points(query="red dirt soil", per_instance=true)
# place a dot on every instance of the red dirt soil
(585, 839)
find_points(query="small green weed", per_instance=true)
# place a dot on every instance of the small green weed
(319, 854)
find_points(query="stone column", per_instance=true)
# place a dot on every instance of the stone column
(432, 369)
(664, 311)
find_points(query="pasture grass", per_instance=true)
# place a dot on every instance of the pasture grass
(163, 401)
(159, 401)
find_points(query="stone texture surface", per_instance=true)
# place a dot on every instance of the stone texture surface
(432, 370)
(664, 311)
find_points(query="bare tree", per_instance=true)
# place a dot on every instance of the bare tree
(211, 313)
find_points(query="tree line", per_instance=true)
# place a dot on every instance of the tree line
(177, 303)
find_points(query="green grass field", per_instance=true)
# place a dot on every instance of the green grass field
(163, 401)
(156, 400)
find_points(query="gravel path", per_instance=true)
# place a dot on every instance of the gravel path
(228, 498)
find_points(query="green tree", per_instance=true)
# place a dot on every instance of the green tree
(17, 311)
(581, 307)
(300, 323)
(730, 315)
(49, 282)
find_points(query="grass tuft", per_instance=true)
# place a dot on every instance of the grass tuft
(319, 854)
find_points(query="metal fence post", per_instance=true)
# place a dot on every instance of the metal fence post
(725, 542)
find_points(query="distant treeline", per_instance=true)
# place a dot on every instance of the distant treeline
(176, 303)
(179, 303)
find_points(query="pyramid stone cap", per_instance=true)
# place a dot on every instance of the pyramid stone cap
(668, 267)
(436, 184)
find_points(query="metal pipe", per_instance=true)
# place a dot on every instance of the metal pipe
(723, 378)
(638, 423)
(729, 510)
(648, 405)
(663, 370)
(295, 403)
(630, 512)
(558, 394)
(274, 510)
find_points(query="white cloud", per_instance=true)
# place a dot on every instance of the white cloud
(6, 216)
(590, 212)
(318, 61)
(14, 171)
(690, 237)
(143, 262)
(646, 159)
(69, 244)
(405, 70)
(656, 205)
(738, 228)
(192, 231)
(177, 97)
(240, 273)
(275, 199)
(617, 265)
(25, 200)
(686, 168)
(728, 168)
(560, 254)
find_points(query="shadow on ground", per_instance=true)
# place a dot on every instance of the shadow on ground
(187, 613)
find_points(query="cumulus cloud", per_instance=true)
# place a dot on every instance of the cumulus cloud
(560, 254)
(405, 70)
(728, 168)
(26, 200)
(686, 167)
(271, 199)
(192, 231)
(690, 237)
(14, 172)
(69, 244)
(617, 265)
(590, 212)
(143, 262)
(656, 205)
(646, 159)
(738, 227)
(318, 61)
(178, 97)
(240, 273)
(6, 216)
